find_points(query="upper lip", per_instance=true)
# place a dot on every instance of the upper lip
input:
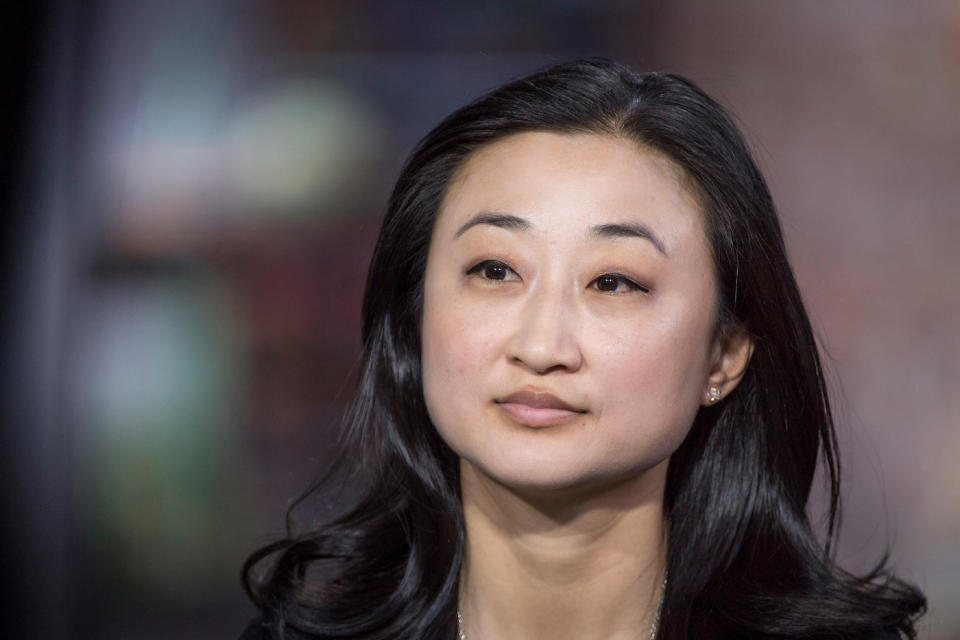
(538, 399)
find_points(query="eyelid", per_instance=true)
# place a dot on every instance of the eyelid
(480, 266)
(630, 282)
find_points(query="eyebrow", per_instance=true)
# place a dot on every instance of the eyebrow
(502, 220)
(617, 230)
(630, 230)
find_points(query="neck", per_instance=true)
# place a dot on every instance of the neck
(585, 564)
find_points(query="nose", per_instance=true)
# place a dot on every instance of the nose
(546, 341)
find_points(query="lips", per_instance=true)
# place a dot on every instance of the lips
(538, 408)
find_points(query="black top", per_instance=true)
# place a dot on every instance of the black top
(256, 631)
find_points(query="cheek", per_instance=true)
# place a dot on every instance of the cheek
(455, 361)
(449, 348)
(662, 362)
(435, 363)
(435, 357)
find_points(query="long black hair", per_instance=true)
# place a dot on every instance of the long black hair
(742, 557)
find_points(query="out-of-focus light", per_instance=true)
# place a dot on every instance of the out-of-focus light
(300, 148)
(303, 148)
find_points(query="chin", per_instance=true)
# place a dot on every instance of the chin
(537, 479)
(556, 475)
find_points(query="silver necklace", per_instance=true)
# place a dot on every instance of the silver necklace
(462, 635)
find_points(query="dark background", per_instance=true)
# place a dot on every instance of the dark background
(192, 191)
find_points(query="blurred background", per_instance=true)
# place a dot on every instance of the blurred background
(192, 191)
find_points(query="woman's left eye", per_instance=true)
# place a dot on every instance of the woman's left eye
(616, 283)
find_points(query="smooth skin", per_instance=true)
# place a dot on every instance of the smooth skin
(569, 338)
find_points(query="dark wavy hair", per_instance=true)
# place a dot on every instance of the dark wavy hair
(742, 557)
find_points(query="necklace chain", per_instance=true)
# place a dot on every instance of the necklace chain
(462, 635)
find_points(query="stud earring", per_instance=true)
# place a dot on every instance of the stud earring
(713, 394)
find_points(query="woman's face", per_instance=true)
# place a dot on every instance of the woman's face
(569, 311)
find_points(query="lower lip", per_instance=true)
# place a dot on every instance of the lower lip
(538, 416)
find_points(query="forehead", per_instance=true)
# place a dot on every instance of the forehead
(573, 179)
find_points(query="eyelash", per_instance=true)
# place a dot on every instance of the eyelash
(618, 278)
(481, 267)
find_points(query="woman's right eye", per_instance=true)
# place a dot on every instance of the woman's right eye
(493, 270)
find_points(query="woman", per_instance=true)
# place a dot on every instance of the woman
(591, 404)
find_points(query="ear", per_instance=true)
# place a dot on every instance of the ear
(730, 355)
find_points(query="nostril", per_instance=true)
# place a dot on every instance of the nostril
(543, 358)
